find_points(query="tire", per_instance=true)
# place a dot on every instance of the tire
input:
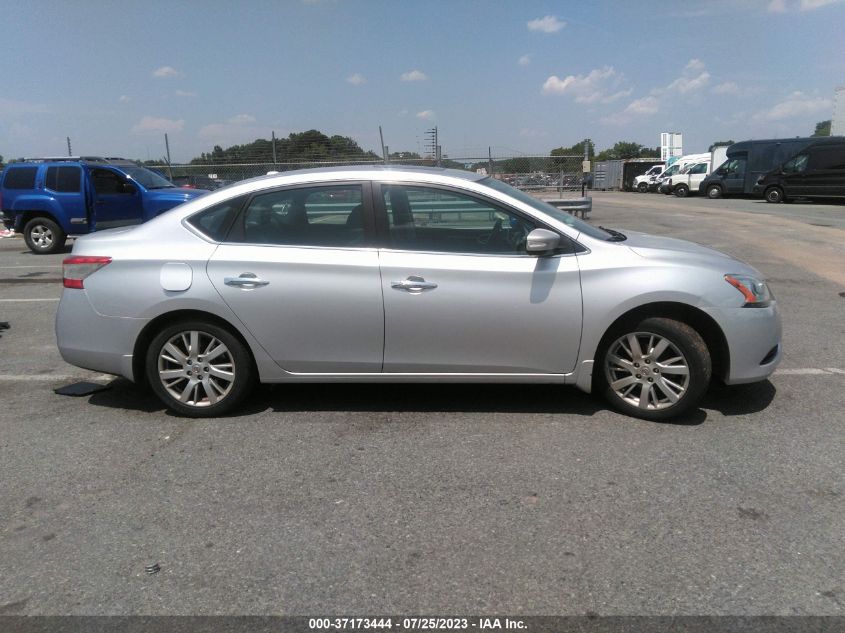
(634, 381)
(714, 192)
(642, 187)
(43, 236)
(774, 195)
(682, 191)
(175, 361)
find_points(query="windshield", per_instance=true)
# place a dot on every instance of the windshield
(146, 178)
(544, 207)
(672, 170)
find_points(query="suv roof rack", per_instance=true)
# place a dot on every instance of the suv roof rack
(81, 159)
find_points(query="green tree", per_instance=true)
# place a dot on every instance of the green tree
(716, 144)
(822, 128)
(575, 150)
(622, 150)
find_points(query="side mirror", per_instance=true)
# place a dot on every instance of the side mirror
(541, 241)
(129, 188)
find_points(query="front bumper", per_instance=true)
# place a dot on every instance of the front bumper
(92, 341)
(754, 342)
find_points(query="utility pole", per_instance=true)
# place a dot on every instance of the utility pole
(384, 154)
(167, 147)
(69, 153)
(432, 142)
(490, 161)
(273, 136)
(439, 155)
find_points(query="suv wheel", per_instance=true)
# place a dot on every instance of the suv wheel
(43, 236)
(198, 369)
(774, 194)
(681, 191)
(656, 369)
(714, 192)
(642, 187)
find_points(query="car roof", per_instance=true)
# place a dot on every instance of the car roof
(373, 171)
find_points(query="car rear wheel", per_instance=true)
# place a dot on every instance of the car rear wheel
(681, 191)
(655, 370)
(642, 187)
(43, 236)
(714, 192)
(774, 194)
(199, 369)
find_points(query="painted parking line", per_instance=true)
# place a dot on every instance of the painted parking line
(27, 300)
(51, 377)
(809, 371)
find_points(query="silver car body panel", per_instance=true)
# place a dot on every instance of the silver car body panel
(490, 318)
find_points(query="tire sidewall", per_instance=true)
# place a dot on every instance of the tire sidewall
(774, 195)
(58, 236)
(681, 191)
(691, 345)
(642, 187)
(240, 357)
(714, 192)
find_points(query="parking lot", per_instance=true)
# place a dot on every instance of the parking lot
(438, 499)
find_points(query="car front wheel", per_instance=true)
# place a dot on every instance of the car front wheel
(43, 236)
(199, 369)
(642, 187)
(655, 370)
(774, 194)
(681, 191)
(714, 192)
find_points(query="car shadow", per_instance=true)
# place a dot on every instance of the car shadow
(739, 399)
(392, 397)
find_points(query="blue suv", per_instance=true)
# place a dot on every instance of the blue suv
(49, 199)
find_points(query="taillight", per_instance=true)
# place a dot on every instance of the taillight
(76, 268)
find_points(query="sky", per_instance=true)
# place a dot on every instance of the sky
(520, 77)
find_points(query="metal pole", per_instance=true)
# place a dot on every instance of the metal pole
(68, 147)
(167, 146)
(383, 148)
(439, 155)
(273, 136)
(490, 160)
(584, 175)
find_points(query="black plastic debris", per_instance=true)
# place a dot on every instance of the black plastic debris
(4, 325)
(81, 389)
(152, 569)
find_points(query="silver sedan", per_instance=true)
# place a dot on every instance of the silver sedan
(380, 274)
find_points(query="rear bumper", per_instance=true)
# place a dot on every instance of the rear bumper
(89, 340)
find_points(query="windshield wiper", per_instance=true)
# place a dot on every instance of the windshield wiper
(615, 236)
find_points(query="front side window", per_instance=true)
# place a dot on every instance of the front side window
(20, 178)
(63, 179)
(107, 182)
(701, 168)
(437, 220)
(329, 216)
(797, 165)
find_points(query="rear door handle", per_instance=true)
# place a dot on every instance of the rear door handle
(413, 284)
(245, 280)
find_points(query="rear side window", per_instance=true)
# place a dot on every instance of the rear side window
(828, 157)
(63, 179)
(215, 221)
(20, 178)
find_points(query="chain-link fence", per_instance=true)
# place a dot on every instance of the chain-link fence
(559, 175)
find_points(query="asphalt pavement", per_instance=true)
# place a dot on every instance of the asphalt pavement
(439, 499)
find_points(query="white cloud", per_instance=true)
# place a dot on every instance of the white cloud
(241, 119)
(524, 60)
(782, 6)
(124, 99)
(356, 79)
(547, 24)
(426, 115)
(185, 93)
(694, 77)
(644, 106)
(414, 75)
(599, 85)
(11, 107)
(150, 124)
(166, 72)
(796, 105)
(726, 88)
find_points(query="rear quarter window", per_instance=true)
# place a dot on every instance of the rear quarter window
(20, 178)
(215, 221)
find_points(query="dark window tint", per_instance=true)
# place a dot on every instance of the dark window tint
(828, 157)
(63, 179)
(106, 182)
(436, 220)
(20, 178)
(215, 221)
(796, 165)
(316, 216)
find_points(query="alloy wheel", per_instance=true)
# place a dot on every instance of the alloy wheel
(42, 236)
(196, 368)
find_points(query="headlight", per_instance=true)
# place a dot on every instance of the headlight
(755, 291)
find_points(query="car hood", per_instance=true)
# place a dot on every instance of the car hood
(658, 247)
(179, 194)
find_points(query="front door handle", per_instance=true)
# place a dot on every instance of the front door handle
(413, 284)
(245, 280)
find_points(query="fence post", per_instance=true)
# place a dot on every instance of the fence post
(273, 136)
(490, 160)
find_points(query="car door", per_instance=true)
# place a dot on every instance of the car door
(64, 183)
(116, 201)
(825, 171)
(793, 176)
(461, 295)
(734, 178)
(299, 270)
